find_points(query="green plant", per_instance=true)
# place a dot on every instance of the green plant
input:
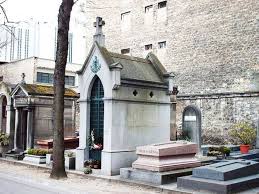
(184, 135)
(37, 152)
(70, 154)
(4, 139)
(226, 150)
(88, 170)
(243, 133)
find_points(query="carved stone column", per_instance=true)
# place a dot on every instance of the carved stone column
(30, 135)
(173, 126)
(16, 128)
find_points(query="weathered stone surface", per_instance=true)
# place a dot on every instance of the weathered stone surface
(211, 46)
(227, 170)
(223, 177)
(166, 156)
(172, 148)
(220, 187)
(35, 159)
(157, 178)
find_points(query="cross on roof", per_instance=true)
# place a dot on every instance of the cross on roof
(99, 24)
(23, 78)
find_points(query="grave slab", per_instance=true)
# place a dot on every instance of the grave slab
(167, 156)
(157, 178)
(224, 177)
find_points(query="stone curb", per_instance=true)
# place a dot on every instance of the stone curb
(105, 178)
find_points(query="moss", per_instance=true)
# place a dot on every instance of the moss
(35, 89)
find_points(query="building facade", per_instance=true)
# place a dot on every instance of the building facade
(39, 39)
(211, 46)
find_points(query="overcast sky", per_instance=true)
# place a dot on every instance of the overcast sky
(42, 10)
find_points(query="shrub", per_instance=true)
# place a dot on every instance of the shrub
(4, 139)
(243, 133)
(37, 152)
(88, 170)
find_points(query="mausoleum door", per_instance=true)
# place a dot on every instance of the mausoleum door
(96, 118)
(192, 124)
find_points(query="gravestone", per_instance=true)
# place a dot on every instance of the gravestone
(192, 124)
(162, 163)
(223, 177)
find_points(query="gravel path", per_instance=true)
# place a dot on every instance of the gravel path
(73, 184)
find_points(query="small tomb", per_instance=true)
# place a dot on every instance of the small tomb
(224, 177)
(162, 163)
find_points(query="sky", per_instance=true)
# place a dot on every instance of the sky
(40, 10)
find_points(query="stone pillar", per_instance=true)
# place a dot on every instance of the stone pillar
(30, 135)
(10, 120)
(173, 126)
(16, 128)
(82, 152)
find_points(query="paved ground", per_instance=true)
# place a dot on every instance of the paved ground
(25, 180)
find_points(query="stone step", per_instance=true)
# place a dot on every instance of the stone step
(156, 178)
(220, 187)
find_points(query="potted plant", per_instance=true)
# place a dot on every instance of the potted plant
(244, 134)
(37, 156)
(4, 143)
(70, 160)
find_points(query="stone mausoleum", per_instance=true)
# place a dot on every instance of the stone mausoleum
(27, 113)
(124, 103)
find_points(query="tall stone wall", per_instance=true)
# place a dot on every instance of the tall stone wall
(212, 46)
(219, 112)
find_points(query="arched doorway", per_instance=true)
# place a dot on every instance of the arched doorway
(96, 119)
(192, 124)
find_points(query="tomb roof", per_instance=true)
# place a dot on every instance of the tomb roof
(43, 90)
(147, 69)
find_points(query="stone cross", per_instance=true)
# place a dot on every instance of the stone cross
(23, 78)
(99, 24)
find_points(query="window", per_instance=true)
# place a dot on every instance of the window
(26, 44)
(70, 80)
(44, 77)
(125, 51)
(162, 4)
(149, 9)
(148, 47)
(162, 12)
(19, 46)
(162, 45)
(48, 78)
(149, 15)
(125, 21)
(70, 46)
(1, 78)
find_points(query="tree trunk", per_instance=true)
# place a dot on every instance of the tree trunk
(58, 168)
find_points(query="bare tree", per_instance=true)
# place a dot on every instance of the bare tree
(58, 168)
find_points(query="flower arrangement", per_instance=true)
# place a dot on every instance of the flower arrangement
(95, 143)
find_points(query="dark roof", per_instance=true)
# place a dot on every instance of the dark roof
(35, 89)
(133, 68)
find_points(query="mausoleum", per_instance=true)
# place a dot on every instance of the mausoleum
(33, 104)
(124, 103)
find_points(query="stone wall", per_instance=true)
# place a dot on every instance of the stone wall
(212, 46)
(219, 112)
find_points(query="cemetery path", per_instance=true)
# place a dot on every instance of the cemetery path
(26, 180)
